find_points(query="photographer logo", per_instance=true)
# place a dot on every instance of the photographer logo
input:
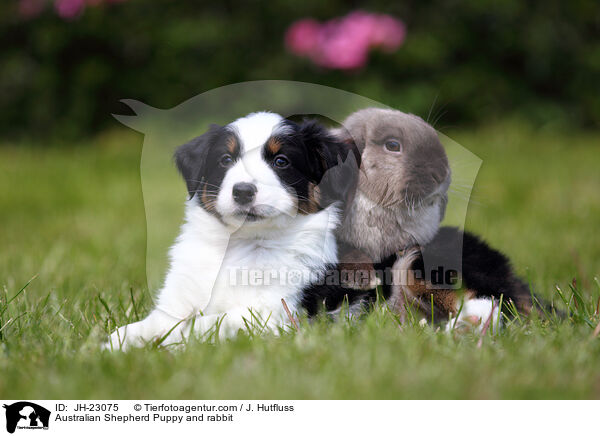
(26, 415)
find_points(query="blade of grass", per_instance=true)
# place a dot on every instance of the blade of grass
(431, 310)
(289, 314)
(486, 326)
(248, 325)
(137, 316)
(497, 327)
(564, 300)
(257, 322)
(541, 306)
(582, 312)
(462, 303)
(515, 311)
(215, 336)
(192, 328)
(17, 294)
(579, 303)
(597, 304)
(160, 340)
(110, 315)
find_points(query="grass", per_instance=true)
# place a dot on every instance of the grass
(73, 217)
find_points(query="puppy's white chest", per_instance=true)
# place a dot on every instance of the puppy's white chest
(258, 272)
(257, 277)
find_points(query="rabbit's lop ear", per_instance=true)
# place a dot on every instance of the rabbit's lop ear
(355, 127)
(191, 159)
(335, 162)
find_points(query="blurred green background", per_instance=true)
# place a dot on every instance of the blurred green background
(467, 62)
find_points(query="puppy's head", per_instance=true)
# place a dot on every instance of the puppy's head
(403, 162)
(263, 168)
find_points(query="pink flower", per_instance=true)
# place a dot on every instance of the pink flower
(361, 25)
(69, 9)
(389, 33)
(302, 37)
(340, 47)
(344, 43)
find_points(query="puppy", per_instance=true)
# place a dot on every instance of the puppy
(393, 224)
(265, 198)
(487, 278)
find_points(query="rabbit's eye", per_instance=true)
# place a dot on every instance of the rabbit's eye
(392, 145)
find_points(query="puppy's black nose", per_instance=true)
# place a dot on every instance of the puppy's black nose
(243, 193)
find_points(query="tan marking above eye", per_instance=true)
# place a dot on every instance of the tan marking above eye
(232, 145)
(273, 145)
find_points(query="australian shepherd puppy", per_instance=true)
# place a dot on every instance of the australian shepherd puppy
(265, 198)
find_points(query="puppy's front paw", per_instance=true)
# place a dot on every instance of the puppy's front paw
(158, 326)
(474, 315)
(124, 338)
(464, 324)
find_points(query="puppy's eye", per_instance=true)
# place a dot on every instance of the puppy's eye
(226, 160)
(281, 161)
(392, 145)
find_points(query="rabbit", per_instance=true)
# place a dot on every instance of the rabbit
(391, 232)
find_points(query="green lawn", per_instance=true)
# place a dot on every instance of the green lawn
(74, 217)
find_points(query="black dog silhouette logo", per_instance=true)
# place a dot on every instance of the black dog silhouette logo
(26, 415)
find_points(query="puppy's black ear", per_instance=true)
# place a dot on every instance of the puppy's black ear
(191, 158)
(335, 163)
